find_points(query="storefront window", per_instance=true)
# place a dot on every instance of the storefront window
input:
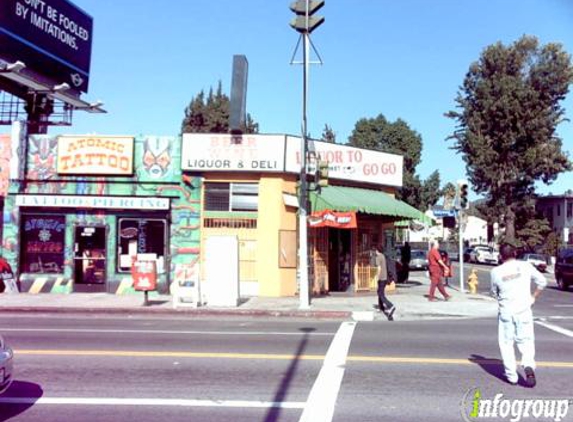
(143, 237)
(43, 239)
(231, 196)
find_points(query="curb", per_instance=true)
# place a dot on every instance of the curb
(318, 314)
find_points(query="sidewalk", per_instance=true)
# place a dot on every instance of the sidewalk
(409, 299)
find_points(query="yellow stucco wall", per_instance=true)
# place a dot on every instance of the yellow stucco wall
(274, 216)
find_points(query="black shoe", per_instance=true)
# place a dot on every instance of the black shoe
(530, 380)
(391, 313)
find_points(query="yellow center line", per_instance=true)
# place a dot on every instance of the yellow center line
(271, 356)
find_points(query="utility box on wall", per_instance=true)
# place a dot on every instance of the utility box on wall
(222, 271)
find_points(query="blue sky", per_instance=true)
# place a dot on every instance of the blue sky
(402, 58)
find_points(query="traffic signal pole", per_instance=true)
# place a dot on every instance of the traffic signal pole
(461, 249)
(304, 290)
(304, 23)
(462, 204)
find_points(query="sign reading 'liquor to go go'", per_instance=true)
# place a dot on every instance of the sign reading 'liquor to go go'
(101, 155)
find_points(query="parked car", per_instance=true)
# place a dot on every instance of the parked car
(419, 259)
(564, 268)
(484, 255)
(6, 365)
(539, 261)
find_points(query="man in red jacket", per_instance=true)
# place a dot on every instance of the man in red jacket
(436, 267)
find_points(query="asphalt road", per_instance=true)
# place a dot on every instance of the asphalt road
(120, 368)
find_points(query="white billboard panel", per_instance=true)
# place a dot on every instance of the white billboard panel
(222, 152)
(349, 163)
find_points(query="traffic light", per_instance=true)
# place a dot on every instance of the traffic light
(449, 222)
(304, 22)
(322, 174)
(464, 203)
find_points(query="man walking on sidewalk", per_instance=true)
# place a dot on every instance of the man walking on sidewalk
(382, 276)
(436, 268)
(511, 285)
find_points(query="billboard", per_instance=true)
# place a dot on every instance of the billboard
(221, 152)
(52, 37)
(349, 163)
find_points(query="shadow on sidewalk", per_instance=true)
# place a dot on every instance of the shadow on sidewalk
(408, 284)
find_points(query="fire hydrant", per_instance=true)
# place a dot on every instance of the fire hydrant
(473, 281)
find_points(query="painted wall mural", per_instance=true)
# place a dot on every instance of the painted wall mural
(5, 156)
(157, 173)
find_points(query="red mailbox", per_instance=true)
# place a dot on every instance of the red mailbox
(144, 275)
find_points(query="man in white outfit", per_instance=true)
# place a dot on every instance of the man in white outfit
(511, 285)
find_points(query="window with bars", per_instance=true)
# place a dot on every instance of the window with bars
(231, 196)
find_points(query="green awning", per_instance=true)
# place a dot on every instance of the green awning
(367, 201)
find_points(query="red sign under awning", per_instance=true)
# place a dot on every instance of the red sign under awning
(327, 218)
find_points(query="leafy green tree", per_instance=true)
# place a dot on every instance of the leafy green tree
(506, 126)
(211, 114)
(552, 244)
(398, 138)
(532, 228)
(449, 194)
(328, 135)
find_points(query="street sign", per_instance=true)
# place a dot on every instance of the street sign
(443, 213)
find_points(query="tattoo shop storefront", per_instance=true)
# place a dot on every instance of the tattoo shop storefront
(89, 205)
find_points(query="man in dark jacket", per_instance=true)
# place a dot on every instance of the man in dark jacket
(405, 258)
(384, 274)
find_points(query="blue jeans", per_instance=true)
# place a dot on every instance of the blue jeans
(383, 302)
(516, 329)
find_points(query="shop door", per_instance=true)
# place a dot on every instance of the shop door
(89, 258)
(339, 260)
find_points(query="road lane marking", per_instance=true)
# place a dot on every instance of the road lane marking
(116, 331)
(151, 402)
(324, 393)
(445, 361)
(265, 356)
(153, 354)
(555, 328)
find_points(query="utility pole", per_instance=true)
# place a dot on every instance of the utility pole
(462, 204)
(304, 23)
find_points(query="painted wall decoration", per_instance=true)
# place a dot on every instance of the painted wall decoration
(156, 173)
(157, 157)
(5, 156)
(42, 164)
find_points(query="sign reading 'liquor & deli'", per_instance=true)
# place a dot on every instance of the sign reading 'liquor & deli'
(87, 155)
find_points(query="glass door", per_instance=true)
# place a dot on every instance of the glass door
(90, 256)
